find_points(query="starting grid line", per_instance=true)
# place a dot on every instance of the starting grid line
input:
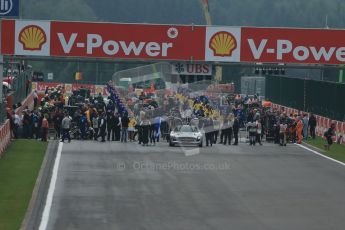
(320, 154)
(51, 190)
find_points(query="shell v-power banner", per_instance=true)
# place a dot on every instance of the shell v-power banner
(172, 42)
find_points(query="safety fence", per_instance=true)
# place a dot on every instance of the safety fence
(319, 97)
(323, 123)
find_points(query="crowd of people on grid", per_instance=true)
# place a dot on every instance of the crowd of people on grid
(95, 119)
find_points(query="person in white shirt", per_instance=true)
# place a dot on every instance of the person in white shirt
(259, 131)
(252, 129)
(16, 122)
(66, 125)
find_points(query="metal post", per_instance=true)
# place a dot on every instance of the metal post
(304, 93)
(341, 74)
(1, 75)
(97, 72)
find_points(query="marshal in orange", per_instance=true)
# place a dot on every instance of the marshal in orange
(32, 37)
(223, 44)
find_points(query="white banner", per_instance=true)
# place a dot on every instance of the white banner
(184, 68)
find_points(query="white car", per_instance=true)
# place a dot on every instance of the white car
(186, 135)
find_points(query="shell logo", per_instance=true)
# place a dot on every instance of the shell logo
(32, 37)
(223, 44)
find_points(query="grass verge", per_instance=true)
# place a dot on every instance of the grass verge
(19, 168)
(337, 151)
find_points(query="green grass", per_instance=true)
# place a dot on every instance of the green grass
(336, 152)
(19, 168)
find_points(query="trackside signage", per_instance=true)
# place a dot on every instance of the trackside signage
(293, 45)
(172, 42)
(103, 40)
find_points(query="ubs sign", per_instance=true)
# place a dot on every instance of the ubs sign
(183, 68)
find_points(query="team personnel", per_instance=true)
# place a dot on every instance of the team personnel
(208, 128)
(282, 133)
(299, 130)
(258, 131)
(95, 126)
(102, 126)
(110, 126)
(236, 128)
(252, 130)
(228, 129)
(145, 129)
(124, 127)
(66, 126)
(216, 127)
(329, 134)
(45, 127)
(117, 122)
(312, 125)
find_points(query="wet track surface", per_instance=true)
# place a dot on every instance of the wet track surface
(127, 186)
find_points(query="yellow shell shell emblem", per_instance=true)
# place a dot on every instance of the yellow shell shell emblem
(32, 37)
(223, 44)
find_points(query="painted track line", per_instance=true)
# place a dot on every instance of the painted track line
(321, 155)
(51, 190)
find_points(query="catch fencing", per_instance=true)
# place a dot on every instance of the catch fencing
(319, 97)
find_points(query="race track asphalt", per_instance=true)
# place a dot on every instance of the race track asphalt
(124, 186)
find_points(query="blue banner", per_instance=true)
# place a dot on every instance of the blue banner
(9, 8)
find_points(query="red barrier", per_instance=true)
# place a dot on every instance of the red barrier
(94, 89)
(5, 136)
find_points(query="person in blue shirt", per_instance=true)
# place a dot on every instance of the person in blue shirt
(157, 127)
(83, 122)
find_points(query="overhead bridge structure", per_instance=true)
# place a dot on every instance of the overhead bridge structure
(154, 42)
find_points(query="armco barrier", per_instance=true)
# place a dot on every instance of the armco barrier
(323, 123)
(5, 136)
